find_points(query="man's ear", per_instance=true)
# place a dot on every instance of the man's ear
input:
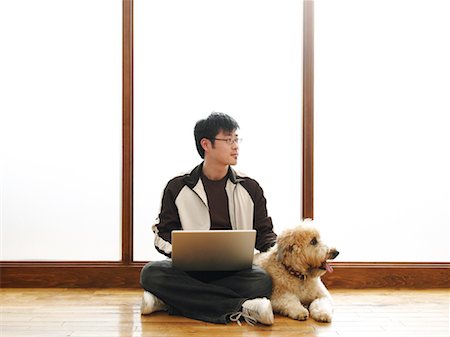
(204, 142)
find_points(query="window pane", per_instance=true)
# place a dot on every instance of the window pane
(238, 57)
(382, 118)
(60, 129)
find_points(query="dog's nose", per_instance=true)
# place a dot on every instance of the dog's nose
(333, 254)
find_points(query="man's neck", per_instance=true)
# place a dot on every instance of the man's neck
(214, 171)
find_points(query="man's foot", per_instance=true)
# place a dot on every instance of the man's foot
(256, 310)
(151, 303)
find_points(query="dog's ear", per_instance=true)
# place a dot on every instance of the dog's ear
(285, 246)
(282, 252)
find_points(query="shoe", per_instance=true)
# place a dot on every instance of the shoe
(253, 311)
(151, 303)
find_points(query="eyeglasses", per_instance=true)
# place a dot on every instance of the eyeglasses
(230, 141)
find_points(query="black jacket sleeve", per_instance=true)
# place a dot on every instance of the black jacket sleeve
(262, 223)
(168, 218)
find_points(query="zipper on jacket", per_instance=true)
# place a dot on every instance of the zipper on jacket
(206, 205)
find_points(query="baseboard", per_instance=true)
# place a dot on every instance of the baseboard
(69, 275)
(388, 275)
(116, 275)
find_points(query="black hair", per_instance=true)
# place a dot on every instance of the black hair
(211, 126)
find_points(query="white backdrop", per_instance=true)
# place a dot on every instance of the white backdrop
(238, 57)
(60, 130)
(382, 107)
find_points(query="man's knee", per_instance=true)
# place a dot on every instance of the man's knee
(255, 282)
(264, 281)
(154, 273)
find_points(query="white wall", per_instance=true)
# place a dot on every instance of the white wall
(60, 130)
(239, 57)
(382, 107)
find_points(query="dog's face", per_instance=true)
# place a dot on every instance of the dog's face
(302, 250)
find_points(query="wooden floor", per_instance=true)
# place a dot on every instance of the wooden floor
(115, 312)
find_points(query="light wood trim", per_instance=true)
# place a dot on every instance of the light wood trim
(107, 275)
(308, 110)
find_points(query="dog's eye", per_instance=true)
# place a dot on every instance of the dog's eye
(313, 241)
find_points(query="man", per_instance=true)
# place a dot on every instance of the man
(212, 196)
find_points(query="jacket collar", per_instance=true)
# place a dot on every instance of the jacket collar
(192, 178)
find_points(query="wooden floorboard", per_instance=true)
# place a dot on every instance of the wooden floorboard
(115, 312)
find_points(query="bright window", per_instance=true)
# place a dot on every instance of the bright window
(241, 57)
(382, 107)
(60, 130)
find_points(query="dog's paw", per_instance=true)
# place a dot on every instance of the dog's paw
(321, 316)
(321, 310)
(300, 315)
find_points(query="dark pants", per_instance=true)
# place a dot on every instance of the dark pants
(205, 296)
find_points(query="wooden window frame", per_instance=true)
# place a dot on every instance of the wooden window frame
(125, 273)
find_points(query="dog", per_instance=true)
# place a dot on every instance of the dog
(295, 264)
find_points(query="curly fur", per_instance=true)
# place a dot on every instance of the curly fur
(296, 263)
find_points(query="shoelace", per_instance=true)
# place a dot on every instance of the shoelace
(247, 317)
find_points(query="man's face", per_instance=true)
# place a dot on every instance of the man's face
(225, 150)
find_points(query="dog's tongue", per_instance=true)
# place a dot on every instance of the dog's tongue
(328, 267)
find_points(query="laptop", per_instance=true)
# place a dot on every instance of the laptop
(213, 250)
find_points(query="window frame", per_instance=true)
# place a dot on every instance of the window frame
(125, 273)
